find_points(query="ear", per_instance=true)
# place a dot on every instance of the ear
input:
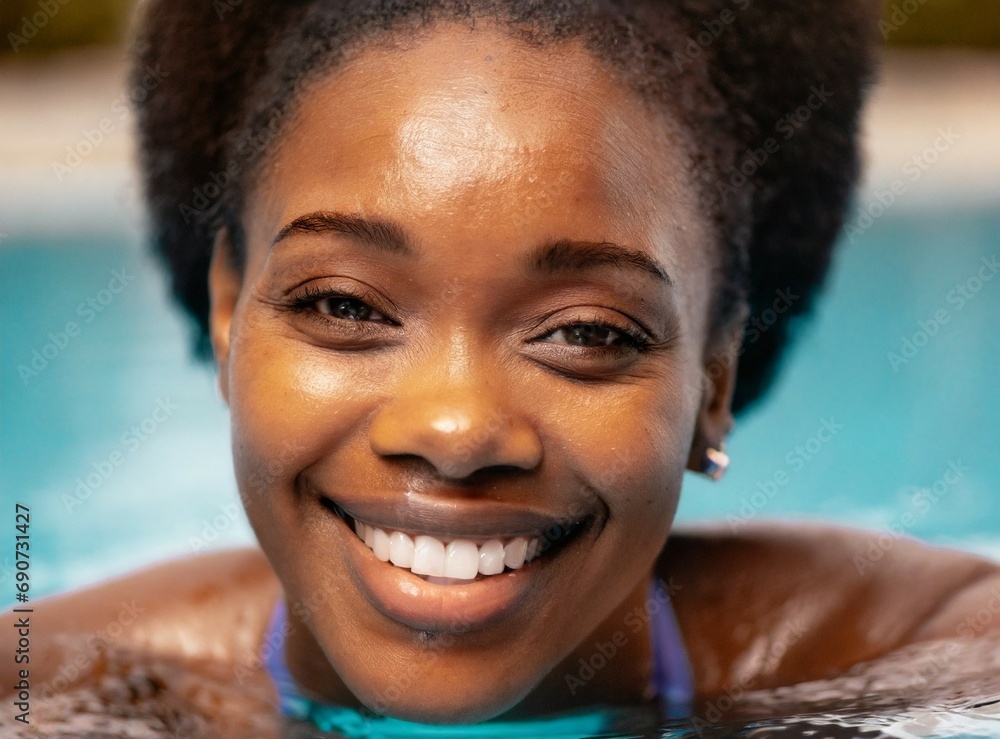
(223, 289)
(715, 415)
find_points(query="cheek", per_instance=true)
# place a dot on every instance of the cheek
(289, 404)
(633, 447)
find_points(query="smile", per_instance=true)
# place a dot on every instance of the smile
(454, 560)
(444, 562)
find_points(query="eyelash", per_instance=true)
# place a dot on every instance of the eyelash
(305, 304)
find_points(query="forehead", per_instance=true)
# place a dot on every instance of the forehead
(463, 130)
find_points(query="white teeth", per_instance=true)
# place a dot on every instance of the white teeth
(444, 580)
(401, 549)
(491, 557)
(461, 560)
(514, 551)
(380, 545)
(532, 550)
(428, 556)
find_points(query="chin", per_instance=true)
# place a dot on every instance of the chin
(431, 702)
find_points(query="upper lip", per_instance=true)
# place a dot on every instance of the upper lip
(455, 518)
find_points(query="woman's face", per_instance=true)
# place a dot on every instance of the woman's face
(474, 308)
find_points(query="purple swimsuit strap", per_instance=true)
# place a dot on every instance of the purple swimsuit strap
(671, 669)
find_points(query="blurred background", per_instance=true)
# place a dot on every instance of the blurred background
(883, 417)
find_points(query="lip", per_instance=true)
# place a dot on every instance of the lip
(414, 602)
(451, 518)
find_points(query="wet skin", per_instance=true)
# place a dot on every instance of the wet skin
(481, 368)
(422, 332)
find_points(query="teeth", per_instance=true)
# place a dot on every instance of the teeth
(491, 557)
(514, 551)
(461, 560)
(532, 550)
(380, 545)
(458, 561)
(428, 556)
(400, 549)
(444, 580)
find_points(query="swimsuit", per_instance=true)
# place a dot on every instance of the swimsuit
(671, 677)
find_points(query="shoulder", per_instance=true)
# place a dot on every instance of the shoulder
(212, 606)
(781, 602)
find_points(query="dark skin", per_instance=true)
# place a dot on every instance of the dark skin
(459, 376)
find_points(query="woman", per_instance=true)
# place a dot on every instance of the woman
(475, 277)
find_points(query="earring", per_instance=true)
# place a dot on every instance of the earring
(716, 463)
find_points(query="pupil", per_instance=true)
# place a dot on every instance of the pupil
(344, 308)
(585, 332)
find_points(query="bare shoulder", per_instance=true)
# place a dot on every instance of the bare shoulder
(212, 606)
(816, 598)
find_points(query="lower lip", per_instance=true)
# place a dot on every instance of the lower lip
(414, 602)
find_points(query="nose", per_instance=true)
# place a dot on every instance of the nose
(456, 419)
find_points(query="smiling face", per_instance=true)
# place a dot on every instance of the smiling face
(474, 317)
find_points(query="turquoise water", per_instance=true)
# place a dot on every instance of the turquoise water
(118, 442)
(907, 418)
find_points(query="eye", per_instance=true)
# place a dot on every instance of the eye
(342, 304)
(346, 308)
(600, 335)
(340, 310)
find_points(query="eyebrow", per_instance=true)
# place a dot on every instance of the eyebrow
(559, 255)
(565, 255)
(377, 233)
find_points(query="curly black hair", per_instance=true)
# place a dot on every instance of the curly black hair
(769, 92)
